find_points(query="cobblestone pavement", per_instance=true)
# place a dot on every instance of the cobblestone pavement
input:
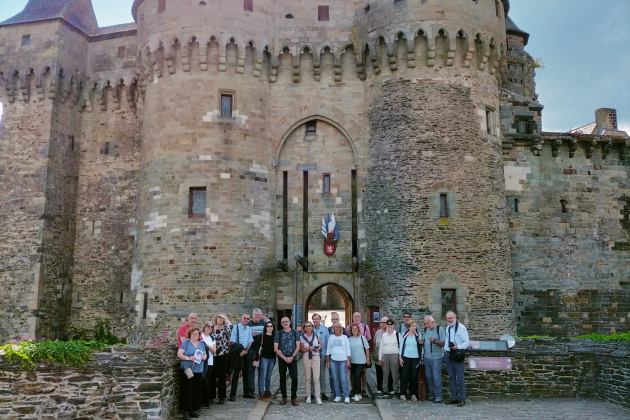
(329, 410)
(547, 409)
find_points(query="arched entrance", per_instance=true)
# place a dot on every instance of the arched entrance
(330, 298)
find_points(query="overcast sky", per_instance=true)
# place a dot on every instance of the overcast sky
(584, 45)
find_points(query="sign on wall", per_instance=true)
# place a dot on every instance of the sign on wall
(490, 363)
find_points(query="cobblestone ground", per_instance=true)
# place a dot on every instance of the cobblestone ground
(329, 410)
(549, 409)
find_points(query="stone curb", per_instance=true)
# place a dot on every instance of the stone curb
(384, 409)
(258, 413)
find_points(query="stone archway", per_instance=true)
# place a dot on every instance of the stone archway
(335, 292)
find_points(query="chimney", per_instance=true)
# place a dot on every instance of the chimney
(606, 118)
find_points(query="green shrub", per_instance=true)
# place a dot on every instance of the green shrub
(602, 337)
(29, 353)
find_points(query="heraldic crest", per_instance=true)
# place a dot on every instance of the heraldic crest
(330, 231)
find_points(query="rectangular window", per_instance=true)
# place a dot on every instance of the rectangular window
(161, 6)
(323, 13)
(516, 205)
(145, 305)
(444, 206)
(285, 215)
(326, 189)
(449, 301)
(26, 40)
(498, 7)
(121, 52)
(563, 206)
(226, 105)
(490, 121)
(398, 1)
(305, 231)
(71, 142)
(311, 127)
(248, 5)
(197, 202)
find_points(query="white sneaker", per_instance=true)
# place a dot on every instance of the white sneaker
(414, 398)
(360, 397)
(357, 398)
(319, 401)
(308, 399)
(338, 399)
(403, 398)
(347, 400)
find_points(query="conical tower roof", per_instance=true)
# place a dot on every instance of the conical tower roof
(511, 28)
(78, 13)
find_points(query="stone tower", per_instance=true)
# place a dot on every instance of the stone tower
(434, 201)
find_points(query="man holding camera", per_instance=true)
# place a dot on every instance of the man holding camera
(434, 340)
(457, 339)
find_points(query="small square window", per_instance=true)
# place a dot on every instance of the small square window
(121, 52)
(326, 189)
(443, 206)
(26, 40)
(197, 202)
(226, 104)
(248, 5)
(323, 13)
(449, 301)
(311, 128)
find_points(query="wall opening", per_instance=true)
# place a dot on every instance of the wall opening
(285, 216)
(443, 206)
(161, 6)
(305, 215)
(449, 301)
(327, 299)
(197, 202)
(323, 14)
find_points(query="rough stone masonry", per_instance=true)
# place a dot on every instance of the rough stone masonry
(184, 162)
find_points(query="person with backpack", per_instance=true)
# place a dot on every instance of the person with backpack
(433, 342)
(242, 334)
(379, 370)
(359, 358)
(311, 349)
(287, 345)
(454, 353)
(409, 359)
(388, 357)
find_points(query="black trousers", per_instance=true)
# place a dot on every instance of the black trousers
(205, 394)
(409, 377)
(293, 373)
(357, 371)
(247, 363)
(217, 378)
(190, 391)
(379, 379)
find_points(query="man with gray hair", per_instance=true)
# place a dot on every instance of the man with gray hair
(257, 325)
(433, 342)
(456, 339)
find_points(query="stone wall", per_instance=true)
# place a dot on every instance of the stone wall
(557, 368)
(123, 383)
(569, 261)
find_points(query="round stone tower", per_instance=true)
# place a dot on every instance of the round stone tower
(203, 241)
(434, 207)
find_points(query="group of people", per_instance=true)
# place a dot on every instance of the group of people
(208, 354)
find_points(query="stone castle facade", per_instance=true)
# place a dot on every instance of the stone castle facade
(184, 163)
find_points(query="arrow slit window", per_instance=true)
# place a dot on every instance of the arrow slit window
(326, 186)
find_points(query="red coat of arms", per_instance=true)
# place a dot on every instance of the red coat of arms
(330, 232)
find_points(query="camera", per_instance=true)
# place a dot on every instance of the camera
(451, 344)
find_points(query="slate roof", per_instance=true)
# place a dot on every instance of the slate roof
(511, 28)
(78, 13)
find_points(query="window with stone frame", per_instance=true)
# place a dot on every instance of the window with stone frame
(197, 202)
(443, 206)
(26, 40)
(121, 52)
(248, 5)
(161, 6)
(449, 301)
(227, 104)
(311, 128)
(323, 13)
(490, 113)
(326, 184)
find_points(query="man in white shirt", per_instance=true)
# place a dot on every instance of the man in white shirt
(456, 339)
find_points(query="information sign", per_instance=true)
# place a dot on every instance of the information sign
(490, 363)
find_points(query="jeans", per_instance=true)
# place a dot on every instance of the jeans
(455, 379)
(251, 379)
(357, 371)
(265, 368)
(293, 373)
(433, 371)
(247, 364)
(409, 377)
(340, 378)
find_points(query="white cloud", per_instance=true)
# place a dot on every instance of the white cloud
(624, 126)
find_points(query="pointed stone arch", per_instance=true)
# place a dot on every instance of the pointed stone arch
(331, 115)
